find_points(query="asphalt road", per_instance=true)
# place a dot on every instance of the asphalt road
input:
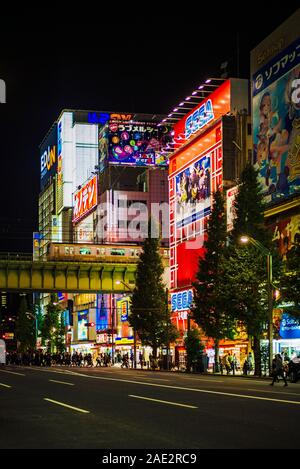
(114, 408)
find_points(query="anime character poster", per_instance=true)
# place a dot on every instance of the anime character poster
(193, 191)
(82, 328)
(286, 231)
(276, 125)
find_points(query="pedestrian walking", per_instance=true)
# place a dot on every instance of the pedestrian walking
(277, 370)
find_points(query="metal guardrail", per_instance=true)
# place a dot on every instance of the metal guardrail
(15, 256)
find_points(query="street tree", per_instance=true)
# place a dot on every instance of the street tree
(245, 270)
(209, 310)
(51, 329)
(150, 315)
(290, 280)
(193, 346)
(25, 326)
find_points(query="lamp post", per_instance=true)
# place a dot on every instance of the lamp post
(118, 282)
(248, 239)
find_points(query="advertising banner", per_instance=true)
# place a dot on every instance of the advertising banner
(2, 352)
(48, 157)
(289, 327)
(276, 124)
(286, 231)
(82, 328)
(193, 192)
(134, 143)
(36, 245)
(85, 199)
(230, 206)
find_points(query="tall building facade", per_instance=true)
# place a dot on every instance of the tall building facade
(212, 142)
(275, 75)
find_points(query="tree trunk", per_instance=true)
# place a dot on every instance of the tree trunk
(257, 356)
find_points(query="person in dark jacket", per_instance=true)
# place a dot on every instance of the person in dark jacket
(277, 366)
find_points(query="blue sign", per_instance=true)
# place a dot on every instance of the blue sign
(284, 62)
(202, 116)
(181, 301)
(98, 117)
(289, 327)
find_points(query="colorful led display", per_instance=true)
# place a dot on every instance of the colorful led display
(276, 125)
(193, 190)
(82, 328)
(134, 143)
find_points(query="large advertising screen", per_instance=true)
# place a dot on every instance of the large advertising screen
(48, 156)
(193, 192)
(82, 328)
(85, 199)
(134, 143)
(276, 124)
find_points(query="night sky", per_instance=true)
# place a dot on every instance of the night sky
(145, 64)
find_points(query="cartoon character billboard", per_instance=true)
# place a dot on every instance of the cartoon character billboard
(82, 328)
(276, 124)
(193, 190)
(134, 143)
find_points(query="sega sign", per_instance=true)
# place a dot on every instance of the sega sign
(182, 300)
(200, 117)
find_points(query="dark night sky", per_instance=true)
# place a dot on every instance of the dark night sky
(148, 64)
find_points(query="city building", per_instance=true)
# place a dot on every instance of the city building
(212, 142)
(99, 172)
(275, 75)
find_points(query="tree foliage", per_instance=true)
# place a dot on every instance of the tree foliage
(52, 327)
(150, 315)
(290, 281)
(25, 326)
(193, 346)
(209, 309)
(245, 269)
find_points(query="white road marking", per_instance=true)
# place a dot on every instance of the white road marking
(5, 385)
(274, 392)
(67, 406)
(12, 373)
(61, 382)
(163, 402)
(202, 379)
(204, 391)
(156, 379)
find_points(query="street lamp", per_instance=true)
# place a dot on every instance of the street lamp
(248, 239)
(119, 282)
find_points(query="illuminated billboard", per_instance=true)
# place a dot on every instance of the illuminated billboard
(48, 157)
(85, 199)
(134, 143)
(82, 328)
(193, 191)
(231, 195)
(276, 124)
(205, 113)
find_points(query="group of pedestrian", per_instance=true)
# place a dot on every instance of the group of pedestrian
(42, 358)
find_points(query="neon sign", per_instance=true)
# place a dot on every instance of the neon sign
(182, 300)
(85, 199)
(102, 117)
(200, 117)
